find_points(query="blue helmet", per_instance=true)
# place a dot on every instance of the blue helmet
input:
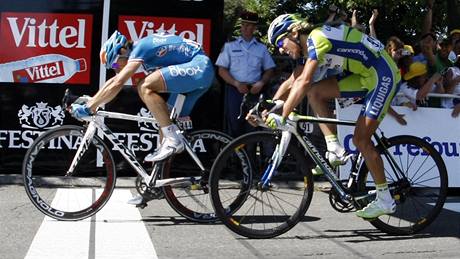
(280, 26)
(112, 47)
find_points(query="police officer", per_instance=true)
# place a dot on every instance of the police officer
(246, 67)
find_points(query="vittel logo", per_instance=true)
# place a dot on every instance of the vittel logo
(40, 116)
(41, 72)
(137, 27)
(33, 32)
(148, 28)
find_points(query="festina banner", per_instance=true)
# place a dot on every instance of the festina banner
(434, 125)
(45, 47)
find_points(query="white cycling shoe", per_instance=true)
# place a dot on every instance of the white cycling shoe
(334, 159)
(136, 200)
(169, 147)
(376, 209)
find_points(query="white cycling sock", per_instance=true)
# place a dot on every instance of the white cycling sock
(383, 193)
(170, 131)
(333, 145)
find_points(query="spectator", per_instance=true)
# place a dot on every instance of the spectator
(452, 86)
(417, 85)
(455, 35)
(246, 67)
(442, 60)
(428, 44)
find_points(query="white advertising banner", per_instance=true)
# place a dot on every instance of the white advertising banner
(435, 125)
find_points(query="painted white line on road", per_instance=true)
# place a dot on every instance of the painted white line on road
(59, 239)
(118, 232)
(453, 206)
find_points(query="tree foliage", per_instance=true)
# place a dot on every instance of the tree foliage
(402, 18)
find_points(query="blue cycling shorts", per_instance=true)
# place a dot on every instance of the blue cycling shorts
(192, 79)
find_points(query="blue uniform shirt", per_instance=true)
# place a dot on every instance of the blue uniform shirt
(246, 61)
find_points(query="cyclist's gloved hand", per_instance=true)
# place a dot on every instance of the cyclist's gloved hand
(80, 110)
(275, 121)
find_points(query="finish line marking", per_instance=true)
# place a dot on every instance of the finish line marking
(117, 232)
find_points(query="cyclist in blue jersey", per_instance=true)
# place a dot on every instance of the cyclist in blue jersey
(171, 64)
(369, 72)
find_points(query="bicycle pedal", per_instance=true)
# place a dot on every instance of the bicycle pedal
(142, 205)
(369, 219)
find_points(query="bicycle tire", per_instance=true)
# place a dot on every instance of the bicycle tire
(242, 204)
(63, 197)
(418, 200)
(192, 201)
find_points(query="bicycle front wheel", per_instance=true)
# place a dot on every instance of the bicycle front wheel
(57, 194)
(191, 200)
(241, 200)
(417, 178)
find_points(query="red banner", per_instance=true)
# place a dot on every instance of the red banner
(136, 27)
(45, 47)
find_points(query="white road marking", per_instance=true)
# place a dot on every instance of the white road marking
(118, 232)
(453, 206)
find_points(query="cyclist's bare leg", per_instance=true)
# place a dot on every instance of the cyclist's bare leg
(364, 129)
(148, 90)
(319, 97)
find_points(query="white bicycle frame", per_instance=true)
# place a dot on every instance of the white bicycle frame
(96, 122)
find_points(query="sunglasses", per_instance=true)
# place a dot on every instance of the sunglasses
(279, 43)
(115, 64)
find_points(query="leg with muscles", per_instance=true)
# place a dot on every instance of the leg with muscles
(384, 203)
(319, 97)
(148, 91)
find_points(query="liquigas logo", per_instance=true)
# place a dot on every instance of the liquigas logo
(40, 116)
(136, 27)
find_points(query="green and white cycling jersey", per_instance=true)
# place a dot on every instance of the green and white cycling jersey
(368, 69)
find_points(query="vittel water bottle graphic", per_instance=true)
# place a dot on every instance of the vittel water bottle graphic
(49, 68)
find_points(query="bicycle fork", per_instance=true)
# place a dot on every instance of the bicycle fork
(276, 158)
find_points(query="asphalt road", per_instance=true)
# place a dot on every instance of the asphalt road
(121, 231)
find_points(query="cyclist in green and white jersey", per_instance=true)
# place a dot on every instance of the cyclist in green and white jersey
(368, 71)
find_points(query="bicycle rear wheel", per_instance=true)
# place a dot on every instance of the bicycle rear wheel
(192, 200)
(240, 200)
(420, 195)
(72, 197)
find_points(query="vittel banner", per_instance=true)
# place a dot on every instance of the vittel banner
(136, 27)
(45, 48)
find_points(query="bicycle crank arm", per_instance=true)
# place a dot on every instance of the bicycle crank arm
(177, 181)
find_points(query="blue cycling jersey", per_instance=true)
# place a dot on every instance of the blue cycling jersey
(161, 50)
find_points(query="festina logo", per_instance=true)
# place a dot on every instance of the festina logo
(41, 72)
(46, 32)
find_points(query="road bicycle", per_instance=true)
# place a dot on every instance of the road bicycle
(261, 183)
(69, 172)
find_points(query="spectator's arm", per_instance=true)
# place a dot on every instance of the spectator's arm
(372, 20)
(426, 88)
(332, 13)
(399, 117)
(427, 22)
(229, 79)
(354, 20)
(450, 82)
(456, 110)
